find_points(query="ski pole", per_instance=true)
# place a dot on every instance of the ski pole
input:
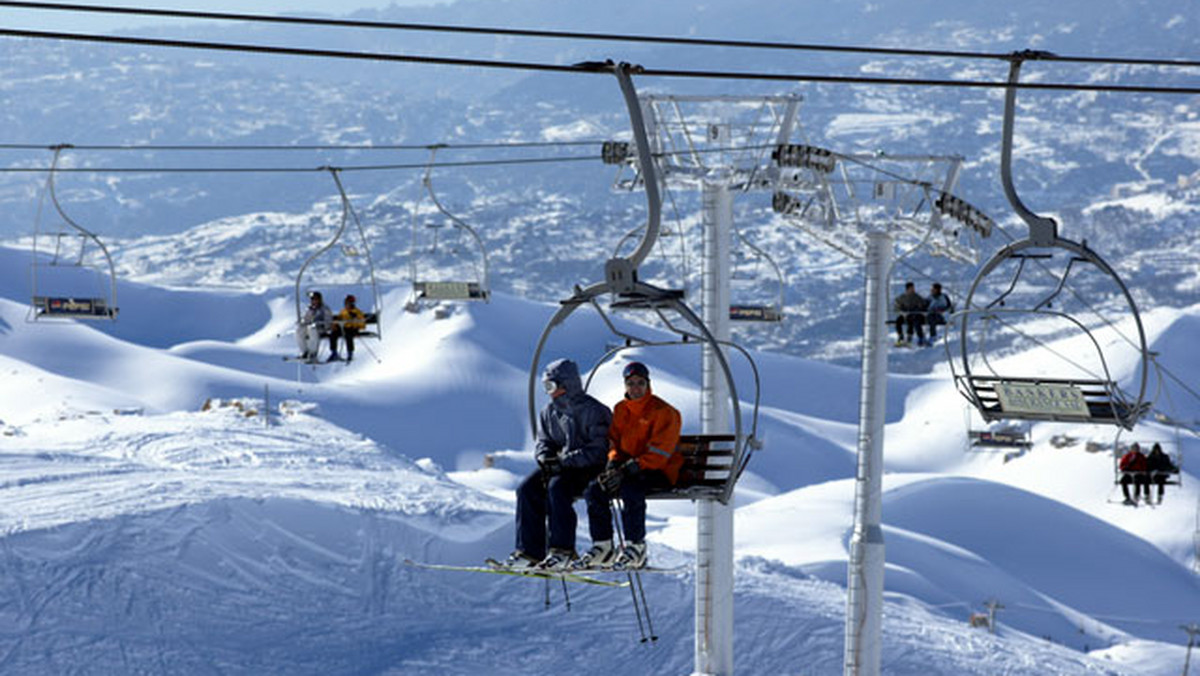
(371, 352)
(637, 577)
(621, 542)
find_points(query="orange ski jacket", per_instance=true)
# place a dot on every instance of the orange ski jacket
(646, 429)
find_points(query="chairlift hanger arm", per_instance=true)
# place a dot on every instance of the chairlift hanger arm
(376, 303)
(743, 445)
(646, 164)
(657, 300)
(1012, 285)
(345, 220)
(1041, 229)
(627, 337)
(458, 222)
(771, 261)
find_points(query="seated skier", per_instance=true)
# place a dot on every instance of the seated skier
(572, 438)
(642, 441)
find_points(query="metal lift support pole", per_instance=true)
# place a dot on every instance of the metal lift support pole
(864, 587)
(714, 521)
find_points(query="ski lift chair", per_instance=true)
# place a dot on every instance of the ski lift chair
(714, 461)
(1004, 438)
(1173, 476)
(66, 287)
(758, 312)
(1173, 447)
(371, 312)
(1087, 395)
(449, 290)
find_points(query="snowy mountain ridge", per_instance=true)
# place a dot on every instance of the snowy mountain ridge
(1119, 171)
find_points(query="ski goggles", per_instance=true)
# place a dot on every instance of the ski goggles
(551, 386)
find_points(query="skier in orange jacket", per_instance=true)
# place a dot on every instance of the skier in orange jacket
(642, 440)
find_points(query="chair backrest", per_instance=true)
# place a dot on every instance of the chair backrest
(450, 291)
(707, 467)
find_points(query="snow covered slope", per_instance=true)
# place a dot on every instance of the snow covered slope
(158, 517)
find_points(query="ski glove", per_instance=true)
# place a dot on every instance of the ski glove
(550, 464)
(616, 472)
(610, 480)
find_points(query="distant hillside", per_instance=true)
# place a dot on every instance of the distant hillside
(1121, 171)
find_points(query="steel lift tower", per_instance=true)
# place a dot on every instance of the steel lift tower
(720, 146)
(863, 206)
(866, 206)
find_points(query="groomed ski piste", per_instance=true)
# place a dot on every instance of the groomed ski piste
(265, 532)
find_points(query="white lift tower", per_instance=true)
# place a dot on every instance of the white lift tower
(865, 206)
(719, 145)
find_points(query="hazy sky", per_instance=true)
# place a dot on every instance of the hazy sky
(83, 21)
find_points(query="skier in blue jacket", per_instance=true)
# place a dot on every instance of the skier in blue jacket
(571, 450)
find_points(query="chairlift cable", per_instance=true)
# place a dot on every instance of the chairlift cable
(286, 170)
(1181, 383)
(578, 68)
(578, 35)
(341, 168)
(1170, 413)
(266, 147)
(588, 67)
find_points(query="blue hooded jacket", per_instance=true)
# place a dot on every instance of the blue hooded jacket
(573, 426)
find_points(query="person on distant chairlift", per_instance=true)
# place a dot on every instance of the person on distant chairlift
(316, 323)
(348, 322)
(1160, 467)
(910, 312)
(572, 439)
(642, 441)
(940, 305)
(1133, 471)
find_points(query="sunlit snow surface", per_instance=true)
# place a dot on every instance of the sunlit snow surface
(175, 498)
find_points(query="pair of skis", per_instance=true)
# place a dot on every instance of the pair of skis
(582, 576)
(496, 568)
